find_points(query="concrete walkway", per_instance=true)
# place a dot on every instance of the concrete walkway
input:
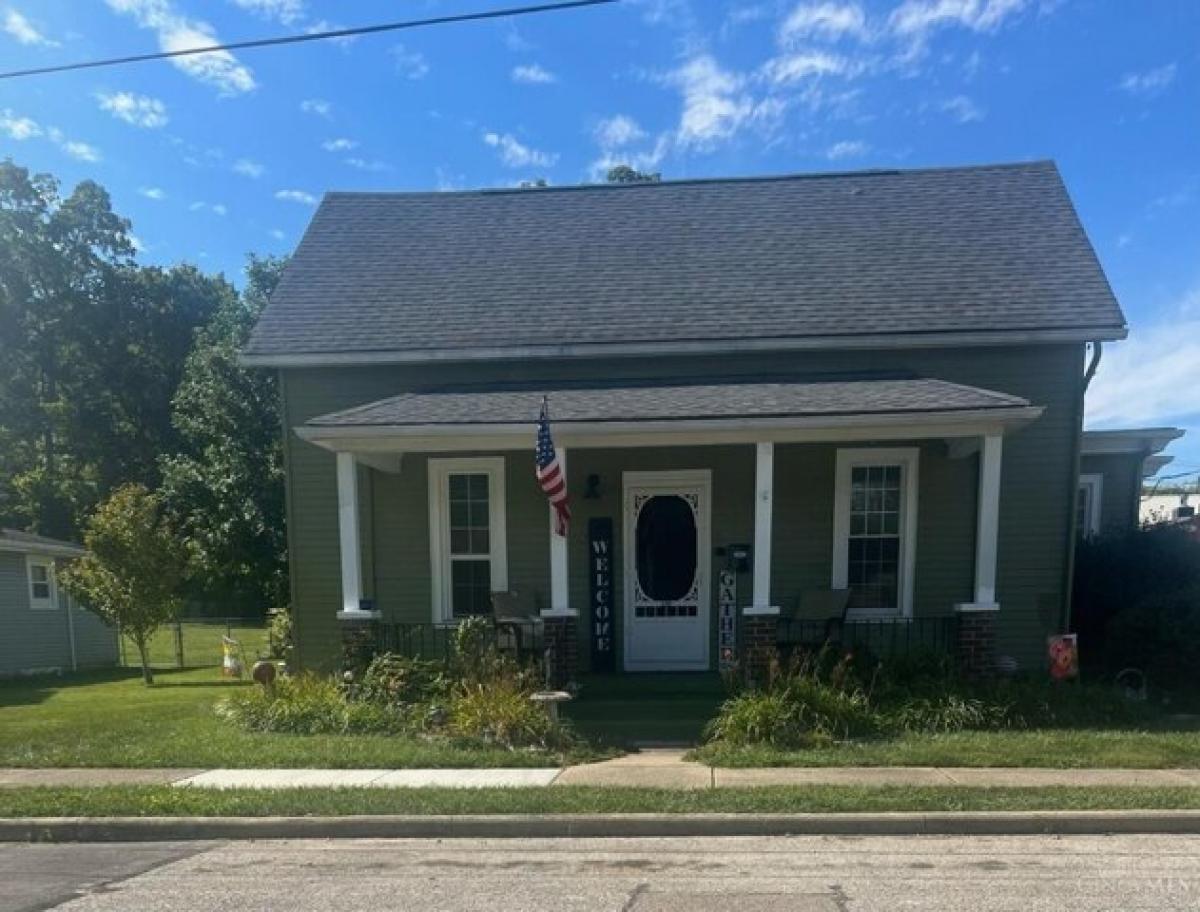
(653, 768)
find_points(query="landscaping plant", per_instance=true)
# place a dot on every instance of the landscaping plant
(134, 568)
(477, 696)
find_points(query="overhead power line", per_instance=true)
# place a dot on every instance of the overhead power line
(311, 36)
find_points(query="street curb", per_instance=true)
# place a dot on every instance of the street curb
(519, 826)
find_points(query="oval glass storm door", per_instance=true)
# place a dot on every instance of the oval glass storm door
(666, 580)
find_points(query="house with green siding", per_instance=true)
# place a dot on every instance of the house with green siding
(776, 400)
(1112, 466)
(41, 628)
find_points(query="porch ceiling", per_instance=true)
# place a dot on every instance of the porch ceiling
(722, 411)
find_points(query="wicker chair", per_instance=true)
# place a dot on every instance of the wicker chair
(516, 620)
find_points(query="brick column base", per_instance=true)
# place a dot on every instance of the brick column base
(562, 648)
(359, 639)
(975, 644)
(759, 631)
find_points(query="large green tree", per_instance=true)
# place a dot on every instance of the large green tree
(225, 485)
(91, 349)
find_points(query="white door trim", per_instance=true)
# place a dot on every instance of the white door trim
(669, 481)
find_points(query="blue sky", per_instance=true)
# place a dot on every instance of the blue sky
(215, 157)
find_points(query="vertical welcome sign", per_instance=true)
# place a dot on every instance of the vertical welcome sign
(600, 543)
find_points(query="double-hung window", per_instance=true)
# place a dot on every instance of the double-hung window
(42, 589)
(874, 530)
(467, 535)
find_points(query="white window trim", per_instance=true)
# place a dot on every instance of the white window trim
(46, 604)
(1094, 482)
(440, 471)
(908, 458)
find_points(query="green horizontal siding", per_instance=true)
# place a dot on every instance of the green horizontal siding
(1121, 492)
(1037, 489)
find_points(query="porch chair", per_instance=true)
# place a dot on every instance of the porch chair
(516, 619)
(817, 617)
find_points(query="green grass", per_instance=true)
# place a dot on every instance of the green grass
(112, 719)
(167, 801)
(1058, 748)
(201, 644)
(627, 709)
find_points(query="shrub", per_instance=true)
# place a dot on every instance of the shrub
(1136, 603)
(309, 705)
(811, 700)
(951, 712)
(397, 680)
(501, 713)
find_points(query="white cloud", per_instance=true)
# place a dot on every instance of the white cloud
(641, 160)
(962, 109)
(138, 110)
(339, 145)
(289, 12)
(618, 131)
(917, 18)
(24, 31)
(214, 208)
(517, 155)
(296, 196)
(409, 64)
(277, 234)
(789, 69)
(82, 151)
(715, 103)
(1151, 82)
(18, 128)
(847, 148)
(176, 32)
(155, 193)
(318, 106)
(532, 74)
(248, 167)
(363, 164)
(823, 20)
(1151, 378)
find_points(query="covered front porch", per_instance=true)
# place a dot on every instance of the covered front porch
(708, 517)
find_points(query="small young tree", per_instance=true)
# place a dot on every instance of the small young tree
(134, 567)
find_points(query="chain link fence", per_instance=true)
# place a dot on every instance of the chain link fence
(196, 642)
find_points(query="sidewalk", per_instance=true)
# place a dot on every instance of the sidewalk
(657, 768)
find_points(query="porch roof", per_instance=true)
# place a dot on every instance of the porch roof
(674, 405)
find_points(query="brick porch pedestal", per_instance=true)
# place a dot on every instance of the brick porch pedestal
(759, 632)
(359, 630)
(975, 644)
(562, 644)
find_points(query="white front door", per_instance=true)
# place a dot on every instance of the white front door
(666, 570)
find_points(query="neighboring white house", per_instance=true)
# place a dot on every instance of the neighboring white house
(1163, 508)
(41, 629)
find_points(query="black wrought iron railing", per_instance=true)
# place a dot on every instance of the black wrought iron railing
(436, 641)
(878, 636)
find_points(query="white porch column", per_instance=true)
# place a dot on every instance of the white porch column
(764, 495)
(348, 534)
(559, 600)
(987, 531)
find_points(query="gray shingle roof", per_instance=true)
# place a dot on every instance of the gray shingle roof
(28, 542)
(658, 402)
(995, 249)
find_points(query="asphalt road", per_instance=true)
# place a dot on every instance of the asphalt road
(749, 874)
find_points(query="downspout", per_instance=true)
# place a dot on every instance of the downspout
(1072, 532)
(69, 604)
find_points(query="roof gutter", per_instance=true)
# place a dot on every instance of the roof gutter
(1065, 335)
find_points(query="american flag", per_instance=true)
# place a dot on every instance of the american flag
(549, 472)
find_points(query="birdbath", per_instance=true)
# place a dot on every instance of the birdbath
(549, 700)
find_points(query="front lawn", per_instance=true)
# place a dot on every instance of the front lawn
(143, 801)
(1055, 748)
(112, 719)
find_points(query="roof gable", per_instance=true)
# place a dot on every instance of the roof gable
(991, 252)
